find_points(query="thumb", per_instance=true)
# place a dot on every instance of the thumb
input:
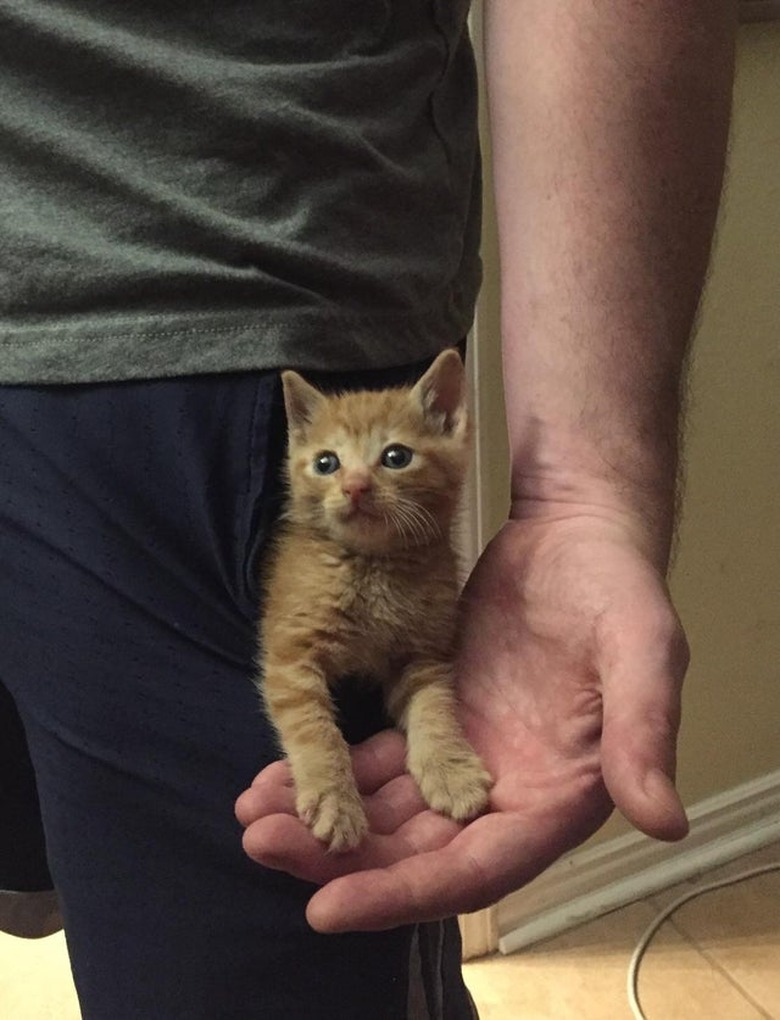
(641, 691)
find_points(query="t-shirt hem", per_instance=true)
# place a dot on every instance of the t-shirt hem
(125, 349)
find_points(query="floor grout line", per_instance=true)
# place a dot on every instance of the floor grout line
(736, 985)
(723, 971)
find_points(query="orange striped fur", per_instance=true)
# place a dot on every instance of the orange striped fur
(363, 581)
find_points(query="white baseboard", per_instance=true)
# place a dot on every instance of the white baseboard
(589, 883)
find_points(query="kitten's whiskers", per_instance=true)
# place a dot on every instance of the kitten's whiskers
(415, 523)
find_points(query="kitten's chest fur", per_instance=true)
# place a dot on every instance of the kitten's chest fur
(363, 582)
(362, 614)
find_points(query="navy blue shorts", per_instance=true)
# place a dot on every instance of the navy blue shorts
(132, 516)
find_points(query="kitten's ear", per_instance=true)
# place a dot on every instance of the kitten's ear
(301, 400)
(442, 392)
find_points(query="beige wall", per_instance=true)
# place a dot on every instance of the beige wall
(727, 576)
(726, 580)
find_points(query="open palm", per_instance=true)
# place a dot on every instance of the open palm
(569, 675)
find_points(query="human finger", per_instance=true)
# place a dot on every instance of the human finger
(261, 799)
(378, 760)
(390, 807)
(284, 843)
(493, 856)
(642, 685)
(393, 805)
(375, 763)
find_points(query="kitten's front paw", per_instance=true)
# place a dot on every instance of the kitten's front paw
(453, 781)
(334, 815)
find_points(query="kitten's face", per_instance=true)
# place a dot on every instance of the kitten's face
(379, 472)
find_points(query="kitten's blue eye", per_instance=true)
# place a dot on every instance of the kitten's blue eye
(326, 463)
(396, 456)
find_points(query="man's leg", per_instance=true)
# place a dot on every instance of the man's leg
(130, 520)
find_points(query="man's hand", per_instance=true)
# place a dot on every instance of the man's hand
(569, 677)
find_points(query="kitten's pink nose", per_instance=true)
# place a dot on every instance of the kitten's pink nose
(356, 487)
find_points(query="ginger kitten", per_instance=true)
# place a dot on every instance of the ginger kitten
(363, 581)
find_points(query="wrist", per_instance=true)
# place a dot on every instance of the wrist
(573, 478)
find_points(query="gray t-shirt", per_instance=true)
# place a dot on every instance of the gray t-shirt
(211, 185)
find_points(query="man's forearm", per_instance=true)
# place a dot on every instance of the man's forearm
(609, 122)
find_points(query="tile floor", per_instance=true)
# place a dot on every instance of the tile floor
(717, 959)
